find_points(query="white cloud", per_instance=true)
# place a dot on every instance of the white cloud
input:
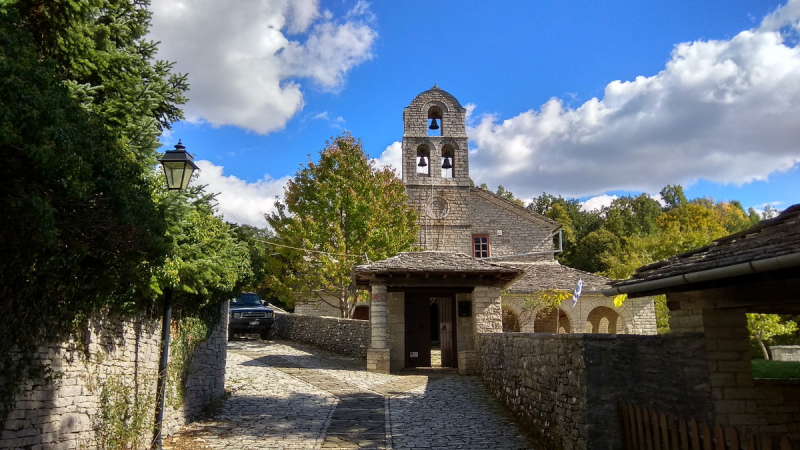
(725, 111)
(597, 203)
(243, 63)
(392, 156)
(240, 201)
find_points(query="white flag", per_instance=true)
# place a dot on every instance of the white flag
(577, 294)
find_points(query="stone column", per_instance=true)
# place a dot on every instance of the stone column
(378, 354)
(725, 334)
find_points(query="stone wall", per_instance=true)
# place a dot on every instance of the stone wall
(115, 363)
(565, 388)
(778, 403)
(343, 336)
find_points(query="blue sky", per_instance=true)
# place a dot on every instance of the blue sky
(582, 99)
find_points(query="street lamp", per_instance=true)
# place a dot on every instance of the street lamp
(178, 168)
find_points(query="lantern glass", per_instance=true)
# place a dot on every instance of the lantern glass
(178, 174)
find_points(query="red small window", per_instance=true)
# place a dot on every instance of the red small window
(480, 246)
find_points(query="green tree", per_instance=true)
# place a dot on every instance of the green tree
(338, 212)
(576, 224)
(632, 216)
(764, 327)
(81, 231)
(673, 196)
(508, 195)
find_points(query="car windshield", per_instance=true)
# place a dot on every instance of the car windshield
(247, 299)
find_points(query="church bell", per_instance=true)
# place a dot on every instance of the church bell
(433, 125)
(446, 164)
(422, 162)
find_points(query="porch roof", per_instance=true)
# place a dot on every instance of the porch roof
(543, 275)
(435, 269)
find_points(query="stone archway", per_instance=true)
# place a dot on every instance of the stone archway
(602, 320)
(555, 321)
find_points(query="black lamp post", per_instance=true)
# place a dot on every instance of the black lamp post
(178, 168)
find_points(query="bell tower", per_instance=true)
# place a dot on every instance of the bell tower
(436, 169)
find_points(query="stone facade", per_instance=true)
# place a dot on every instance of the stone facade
(450, 211)
(565, 388)
(115, 360)
(343, 336)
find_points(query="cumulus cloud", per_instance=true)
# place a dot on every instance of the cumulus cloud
(244, 59)
(722, 110)
(597, 203)
(239, 201)
(392, 156)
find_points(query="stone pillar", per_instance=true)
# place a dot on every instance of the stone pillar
(488, 318)
(378, 354)
(726, 337)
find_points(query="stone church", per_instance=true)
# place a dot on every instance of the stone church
(455, 217)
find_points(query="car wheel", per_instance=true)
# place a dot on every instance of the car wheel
(265, 334)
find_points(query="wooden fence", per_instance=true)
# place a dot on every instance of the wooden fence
(645, 429)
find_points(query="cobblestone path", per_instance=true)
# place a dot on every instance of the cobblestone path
(291, 396)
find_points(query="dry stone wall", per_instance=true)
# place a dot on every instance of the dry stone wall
(343, 336)
(566, 387)
(113, 365)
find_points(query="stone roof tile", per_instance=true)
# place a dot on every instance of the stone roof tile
(551, 274)
(434, 261)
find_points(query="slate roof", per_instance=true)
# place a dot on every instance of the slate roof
(770, 238)
(515, 207)
(543, 275)
(432, 261)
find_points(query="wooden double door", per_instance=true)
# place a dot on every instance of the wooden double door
(423, 309)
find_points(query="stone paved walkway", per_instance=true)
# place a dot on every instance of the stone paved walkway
(291, 396)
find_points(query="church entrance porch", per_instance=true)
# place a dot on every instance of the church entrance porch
(424, 297)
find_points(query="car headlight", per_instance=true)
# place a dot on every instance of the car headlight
(237, 315)
(269, 315)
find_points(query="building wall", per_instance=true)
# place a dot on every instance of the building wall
(319, 308)
(565, 387)
(343, 336)
(119, 358)
(510, 233)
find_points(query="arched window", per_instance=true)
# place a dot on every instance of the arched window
(423, 160)
(435, 122)
(448, 161)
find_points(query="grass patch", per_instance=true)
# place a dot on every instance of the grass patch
(775, 369)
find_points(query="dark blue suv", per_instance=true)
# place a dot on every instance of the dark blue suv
(249, 315)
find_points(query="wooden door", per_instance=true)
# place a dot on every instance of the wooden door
(418, 331)
(447, 331)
